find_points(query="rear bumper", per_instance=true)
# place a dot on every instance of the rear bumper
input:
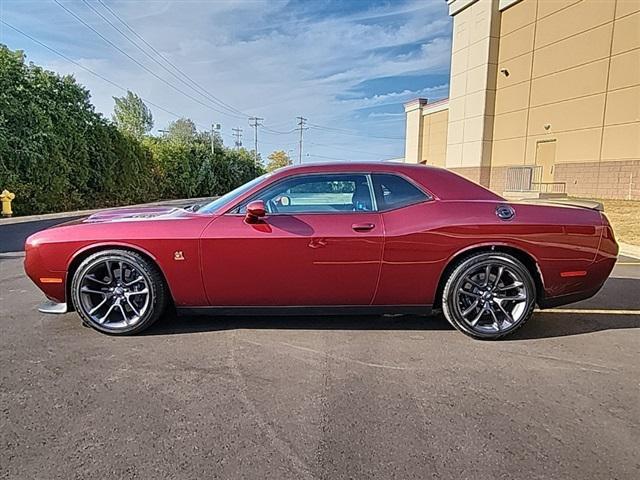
(570, 298)
(584, 288)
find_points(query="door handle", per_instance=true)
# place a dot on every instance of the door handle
(363, 227)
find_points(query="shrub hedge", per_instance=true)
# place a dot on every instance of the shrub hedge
(57, 153)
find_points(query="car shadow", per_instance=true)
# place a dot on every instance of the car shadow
(542, 325)
(551, 324)
(611, 309)
(174, 324)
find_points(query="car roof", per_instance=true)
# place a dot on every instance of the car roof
(440, 182)
(358, 166)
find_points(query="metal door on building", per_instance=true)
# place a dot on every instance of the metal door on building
(546, 158)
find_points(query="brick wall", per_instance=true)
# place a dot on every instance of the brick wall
(481, 175)
(583, 179)
(498, 179)
(600, 179)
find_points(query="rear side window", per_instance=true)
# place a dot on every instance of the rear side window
(393, 191)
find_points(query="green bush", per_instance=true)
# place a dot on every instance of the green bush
(58, 154)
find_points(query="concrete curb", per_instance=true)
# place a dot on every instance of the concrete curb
(628, 250)
(82, 213)
(7, 255)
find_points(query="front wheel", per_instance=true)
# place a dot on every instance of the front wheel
(118, 292)
(489, 295)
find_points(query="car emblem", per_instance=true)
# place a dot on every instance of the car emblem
(505, 212)
(178, 255)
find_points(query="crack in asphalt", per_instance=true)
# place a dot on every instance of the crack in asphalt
(282, 446)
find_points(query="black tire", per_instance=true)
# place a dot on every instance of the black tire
(464, 289)
(127, 263)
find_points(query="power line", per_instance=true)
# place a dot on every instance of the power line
(301, 123)
(70, 60)
(140, 64)
(277, 132)
(327, 158)
(338, 147)
(135, 44)
(347, 159)
(196, 86)
(340, 131)
(262, 142)
(255, 123)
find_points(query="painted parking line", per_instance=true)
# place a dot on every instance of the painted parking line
(593, 311)
(627, 263)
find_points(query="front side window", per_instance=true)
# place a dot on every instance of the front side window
(332, 193)
(393, 191)
(232, 195)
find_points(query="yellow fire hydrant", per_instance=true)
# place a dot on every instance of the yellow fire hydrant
(5, 197)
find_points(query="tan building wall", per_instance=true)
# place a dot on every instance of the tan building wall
(474, 55)
(413, 137)
(548, 82)
(434, 137)
(426, 139)
(569, 74)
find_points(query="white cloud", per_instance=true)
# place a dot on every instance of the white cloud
(265, 58)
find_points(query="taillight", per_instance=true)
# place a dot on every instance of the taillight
(608, 231)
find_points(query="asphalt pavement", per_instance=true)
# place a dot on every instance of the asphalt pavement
(327, 398)
(13, 235)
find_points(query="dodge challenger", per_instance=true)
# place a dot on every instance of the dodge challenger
(329, 239)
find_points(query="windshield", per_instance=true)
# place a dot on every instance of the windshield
(232, 195)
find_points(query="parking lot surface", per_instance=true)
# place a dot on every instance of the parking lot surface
(321, 397)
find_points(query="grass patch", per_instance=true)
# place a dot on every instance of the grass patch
(624, 216)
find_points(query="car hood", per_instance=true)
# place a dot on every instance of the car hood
(137, 214)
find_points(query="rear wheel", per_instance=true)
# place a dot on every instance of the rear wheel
(489, 295)
(118, 292)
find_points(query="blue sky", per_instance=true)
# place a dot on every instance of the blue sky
(347, 66)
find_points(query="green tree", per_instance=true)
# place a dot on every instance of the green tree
(131, 115)
(56, 152)
(278, 159)
(183, 130)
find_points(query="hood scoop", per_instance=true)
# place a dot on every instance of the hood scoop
(134, 214)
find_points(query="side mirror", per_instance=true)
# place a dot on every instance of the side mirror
(255, 211)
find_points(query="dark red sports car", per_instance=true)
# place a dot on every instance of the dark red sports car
(330, 238)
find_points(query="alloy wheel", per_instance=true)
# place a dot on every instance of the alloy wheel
(491, 298)
(115, 294)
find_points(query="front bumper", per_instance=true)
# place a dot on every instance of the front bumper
(37, 271)
(53, 307)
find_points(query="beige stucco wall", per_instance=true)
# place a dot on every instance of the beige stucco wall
(526, 71)
(574, 76)
(413, 133)
(434, 137)
(472, 83)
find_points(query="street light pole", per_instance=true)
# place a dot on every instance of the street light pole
(215, 128)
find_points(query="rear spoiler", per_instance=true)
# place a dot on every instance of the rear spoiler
(570, 202)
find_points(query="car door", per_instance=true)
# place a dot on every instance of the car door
(412, 253)
(319, 244)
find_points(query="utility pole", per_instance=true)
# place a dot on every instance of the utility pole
(301, 124)
(237, 132)
(255, 123)
(215, 130)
